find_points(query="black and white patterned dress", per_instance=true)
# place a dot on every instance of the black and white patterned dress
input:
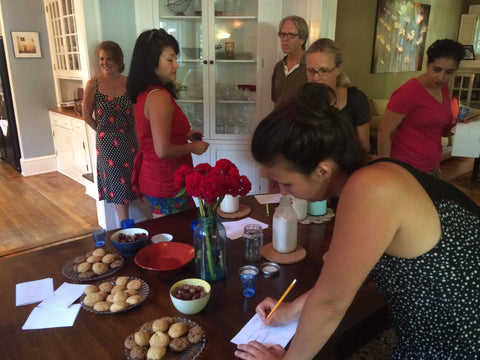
(116, 144)
(434, 299)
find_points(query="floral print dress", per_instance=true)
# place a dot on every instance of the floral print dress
(116, 147)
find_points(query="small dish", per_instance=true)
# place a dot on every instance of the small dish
(162, 238)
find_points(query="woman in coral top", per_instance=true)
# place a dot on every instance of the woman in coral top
(164, 135)
(419, 112)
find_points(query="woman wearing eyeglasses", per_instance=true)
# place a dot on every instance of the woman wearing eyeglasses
(325, 66)
(289, 73)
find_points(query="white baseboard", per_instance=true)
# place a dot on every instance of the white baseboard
(38, 165)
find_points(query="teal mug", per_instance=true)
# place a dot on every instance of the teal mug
(317, 208)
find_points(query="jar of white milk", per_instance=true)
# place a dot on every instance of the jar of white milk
(284, 230)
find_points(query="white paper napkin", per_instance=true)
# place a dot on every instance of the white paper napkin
(51, 317)
(234, 229)
(33, 291)
(64, 296)
(268, 198)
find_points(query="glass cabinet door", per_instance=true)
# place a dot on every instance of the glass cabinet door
(63, 29)
(235, 36)
(216, 78)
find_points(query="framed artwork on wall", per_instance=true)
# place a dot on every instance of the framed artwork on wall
(401, 30)
(26, 44)
(469, 52)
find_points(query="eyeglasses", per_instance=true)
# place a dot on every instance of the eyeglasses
(290, 36)
(322, 72)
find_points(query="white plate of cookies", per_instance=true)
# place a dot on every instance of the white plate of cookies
(93, 265)
(166, 338)
(114, 295)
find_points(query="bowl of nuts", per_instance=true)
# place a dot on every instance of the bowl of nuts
(129, 241)
(190, 296)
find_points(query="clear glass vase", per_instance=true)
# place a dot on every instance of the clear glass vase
(210, 242)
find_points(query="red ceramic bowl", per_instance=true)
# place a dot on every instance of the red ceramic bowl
(165, 256)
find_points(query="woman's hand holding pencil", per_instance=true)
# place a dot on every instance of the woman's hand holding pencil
(269, 306)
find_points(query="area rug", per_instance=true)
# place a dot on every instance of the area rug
(379, 348)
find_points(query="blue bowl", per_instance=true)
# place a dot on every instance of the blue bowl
(129, 249)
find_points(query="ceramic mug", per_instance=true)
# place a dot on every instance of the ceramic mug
(317, 208)
(230, 204)
(300, 206)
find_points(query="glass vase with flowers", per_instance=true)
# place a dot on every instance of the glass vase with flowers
(210, 185)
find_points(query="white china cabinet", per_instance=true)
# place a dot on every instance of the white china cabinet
(227, 53)
(70, 69)
(67, 47)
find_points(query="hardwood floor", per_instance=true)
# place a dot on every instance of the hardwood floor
(41, 209)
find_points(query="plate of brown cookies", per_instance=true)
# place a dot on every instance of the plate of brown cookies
(93, 265)
(169, 337)
(114, 295)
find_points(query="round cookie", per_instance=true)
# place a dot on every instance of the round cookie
(106, 286)
(138, 353)
(116, 264)
(134, 284)
(118, 306)
(99, 252)
(130, 342)
(99, 268)
(91, 289)
(101, 306)
(195, 334)
(141, 338)
(156, 353)
(122, 280)
(159, 339)
(108, 258)
(134, 299)
(84, 267)
(94, 259)
(178, 344)
(86, 275)
(92, 298)
(177, 330)
(79, 259)
(162, 325)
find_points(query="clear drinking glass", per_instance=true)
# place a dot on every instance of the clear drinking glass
(253, 235)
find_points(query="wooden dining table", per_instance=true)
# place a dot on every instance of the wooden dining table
(95, 336)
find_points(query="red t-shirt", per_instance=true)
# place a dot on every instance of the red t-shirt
(418, 139)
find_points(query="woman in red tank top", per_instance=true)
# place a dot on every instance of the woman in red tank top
(164, 136)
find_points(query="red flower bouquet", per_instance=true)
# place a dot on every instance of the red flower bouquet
(210, 185)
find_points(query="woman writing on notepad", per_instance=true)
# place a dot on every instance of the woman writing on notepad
(415, 236)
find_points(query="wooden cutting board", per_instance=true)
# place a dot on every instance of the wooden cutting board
(269, 253)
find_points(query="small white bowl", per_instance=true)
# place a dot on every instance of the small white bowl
(161, 238)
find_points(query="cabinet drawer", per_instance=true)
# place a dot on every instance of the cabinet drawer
(61, 121)
(78, 126)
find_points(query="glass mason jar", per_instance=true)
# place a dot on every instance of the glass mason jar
(210, 242)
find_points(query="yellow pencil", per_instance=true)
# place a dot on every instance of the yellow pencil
(283, 297)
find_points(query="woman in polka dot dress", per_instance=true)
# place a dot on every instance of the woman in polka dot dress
(415, 235)
(108, 110)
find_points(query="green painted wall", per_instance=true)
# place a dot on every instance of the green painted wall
(355, 34)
